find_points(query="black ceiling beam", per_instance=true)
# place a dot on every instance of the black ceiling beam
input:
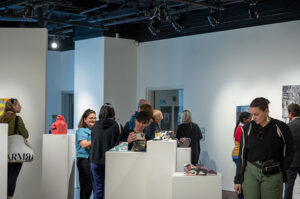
(12, 3)
(202, 3)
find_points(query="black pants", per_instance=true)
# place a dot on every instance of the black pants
(85, 177)
(289, 185)
(12, 176)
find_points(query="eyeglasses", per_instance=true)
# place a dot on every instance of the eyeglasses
(12, 100)
(260, 134)
(92, 118)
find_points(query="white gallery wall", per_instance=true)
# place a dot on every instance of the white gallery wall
(60, 77)
(220, 71)
(120, 76)
(23, 55)
(88, 76)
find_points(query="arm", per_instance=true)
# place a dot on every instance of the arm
(85, 144)
(289, 153)
(21, 128)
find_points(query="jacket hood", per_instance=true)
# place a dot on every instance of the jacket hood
(106, 123)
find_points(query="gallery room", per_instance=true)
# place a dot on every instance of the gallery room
(209, 57)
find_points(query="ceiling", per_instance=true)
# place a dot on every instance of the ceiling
(142, 20)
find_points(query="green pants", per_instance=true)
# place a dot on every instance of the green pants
(259, 186)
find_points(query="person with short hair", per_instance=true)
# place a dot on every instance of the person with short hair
(104, 136)
(294, 124)
(83, 148)
(266, 152)
(12, 107)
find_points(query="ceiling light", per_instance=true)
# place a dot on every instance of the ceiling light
(154, 26)
(177, 24)
(54, 44)
(253, 11)
(163, 13)
(151, 12)
(213, 19)
(29, 11)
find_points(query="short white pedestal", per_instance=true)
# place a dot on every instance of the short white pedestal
(183, 157)
(3, 160)
(196, 187)
(58, 166)
(161, 163)
(125, 174)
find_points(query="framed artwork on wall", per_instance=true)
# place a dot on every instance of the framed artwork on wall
(240, 109)
(290, 94)
(2, 105)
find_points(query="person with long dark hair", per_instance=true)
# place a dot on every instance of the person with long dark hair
(244, 118)
(12, 107)
(266, 152)
(105, 135)
(83, 148)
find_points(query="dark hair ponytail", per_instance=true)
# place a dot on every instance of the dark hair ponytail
(243, 115)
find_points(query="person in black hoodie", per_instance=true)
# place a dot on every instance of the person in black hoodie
(189, 129)
(104, 136)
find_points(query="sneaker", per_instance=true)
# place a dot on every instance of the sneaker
(202, 172)
(211, 173)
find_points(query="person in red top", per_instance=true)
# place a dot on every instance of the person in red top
(244, 118)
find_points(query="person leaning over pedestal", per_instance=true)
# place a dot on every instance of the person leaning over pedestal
(12, 107)
(266, 152)
(105, 135)
(83, 148)
(294, 124)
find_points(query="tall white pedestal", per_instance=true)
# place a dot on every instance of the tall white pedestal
(196, 187)
(125, 175)
(183, 157)
(58, 166)
(161, 165)
(3, 160)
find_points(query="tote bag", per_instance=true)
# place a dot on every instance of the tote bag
(19, 149)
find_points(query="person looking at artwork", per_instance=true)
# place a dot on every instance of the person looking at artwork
(244, 118)
(131, 121)
(142, 120)
(83, 148)
(266, 152)
(12, 107)
(294, 124)
(104, 136)
(189, 129)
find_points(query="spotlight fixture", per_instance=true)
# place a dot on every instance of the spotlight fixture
(253, 11)
(163, 13)
(29, 11)
(151, 12)
(154, 26)
(213, 19)
(177, 24)
(54, 44)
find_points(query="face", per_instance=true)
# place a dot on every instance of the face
(259, 116)
(90, 120)
(140, 126)
(290, 116)
(18, 107)
(246, 121)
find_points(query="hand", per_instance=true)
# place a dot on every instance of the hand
(238, 188)
(131, 137)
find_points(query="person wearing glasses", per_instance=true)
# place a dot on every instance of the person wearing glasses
(83, 148)
(266, 152)
(12, 107)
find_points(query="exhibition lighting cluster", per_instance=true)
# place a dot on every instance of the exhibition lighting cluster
(159, 14)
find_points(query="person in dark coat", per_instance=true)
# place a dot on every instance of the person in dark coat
(104, 136)
(190, 130)
(294, 124)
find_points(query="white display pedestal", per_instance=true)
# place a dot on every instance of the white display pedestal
(3, 160)
(125, 175)
(196, 187)
(183, 157)
(161, 163)
(58, 166)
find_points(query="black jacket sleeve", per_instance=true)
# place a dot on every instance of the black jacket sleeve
(289, 150)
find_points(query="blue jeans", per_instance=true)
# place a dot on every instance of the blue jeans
(98, 172)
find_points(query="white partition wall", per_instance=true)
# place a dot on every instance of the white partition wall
(58, 166)
(3, 160)
(23, 55)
